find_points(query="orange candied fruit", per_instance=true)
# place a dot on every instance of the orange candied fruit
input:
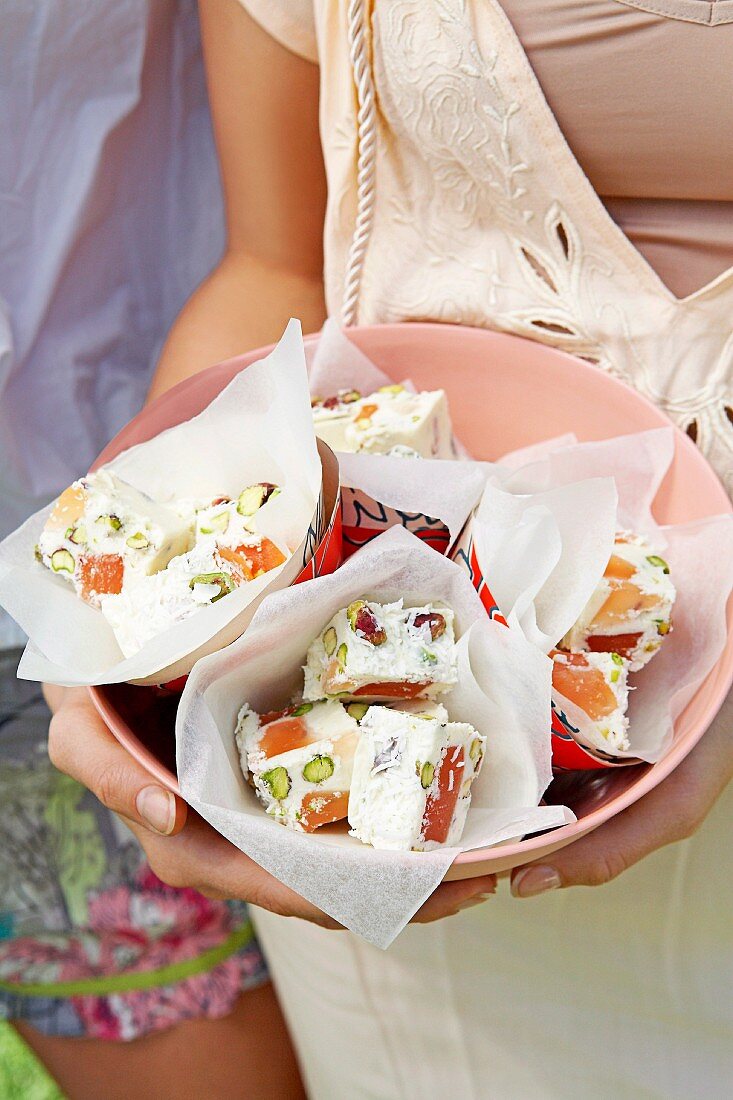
(100, 575)
(623, 644)
(282, 735)
(574, 678)
(366, 412)
(619, 568)
(68, 509)
(251, 562)
(393, 691)
(323, 808)
(624, 601)
(441, 806)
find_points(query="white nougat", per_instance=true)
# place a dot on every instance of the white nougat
(413, 771)
(377, 652)
(102, 533)
(391, 420)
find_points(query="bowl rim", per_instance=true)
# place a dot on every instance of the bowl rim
(719, 679)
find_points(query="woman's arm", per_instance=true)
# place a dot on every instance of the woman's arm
(264, 106)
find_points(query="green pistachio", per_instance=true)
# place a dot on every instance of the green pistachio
(319, 769)
(278, 782)
(62, 561)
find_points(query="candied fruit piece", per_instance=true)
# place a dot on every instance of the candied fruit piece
(583, 685)
(441, 803)
(619, 568)
(622, 601)
(67, 510)
(283, 735)
(393, 691)
(100, 575)
(323, 808)
(623, 644)
(251, 562)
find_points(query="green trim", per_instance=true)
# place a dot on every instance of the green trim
(145, 979)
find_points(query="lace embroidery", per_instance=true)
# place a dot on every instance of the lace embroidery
(478, 219)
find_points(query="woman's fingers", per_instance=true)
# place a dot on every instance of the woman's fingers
(670, 812)
(201, 858)
(452, 897)
(80, 745)
(602, 855)
(195, 856)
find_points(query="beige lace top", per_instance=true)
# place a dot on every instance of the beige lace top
(559, 170)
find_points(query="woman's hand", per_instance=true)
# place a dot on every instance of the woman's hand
(672, 811)
(182, 849)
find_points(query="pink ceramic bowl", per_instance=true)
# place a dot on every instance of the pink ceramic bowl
(504, 393)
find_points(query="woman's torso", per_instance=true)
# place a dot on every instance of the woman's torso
(644, 100)
(483, 213)
(643, 93)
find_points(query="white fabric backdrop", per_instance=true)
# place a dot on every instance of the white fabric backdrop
(110, 214)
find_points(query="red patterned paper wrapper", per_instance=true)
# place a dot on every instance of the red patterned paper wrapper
(567, 752)
(365, 519)
(430, 498)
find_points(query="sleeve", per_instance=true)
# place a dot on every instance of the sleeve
(290, 22)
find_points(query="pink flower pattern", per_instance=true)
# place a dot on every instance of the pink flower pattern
(138, 930)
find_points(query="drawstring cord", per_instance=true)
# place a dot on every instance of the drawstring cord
(366, 163)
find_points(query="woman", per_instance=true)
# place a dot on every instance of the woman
(467, 145)
(94, 949)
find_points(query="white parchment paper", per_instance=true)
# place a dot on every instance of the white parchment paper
(700, 556)
(542, 554)
(504, 691)
(533, 452)
(637, 462)
(258, 429)
(334, 364)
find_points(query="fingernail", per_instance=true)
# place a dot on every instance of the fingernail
(157, 807)
(535, 880)
(477, 899)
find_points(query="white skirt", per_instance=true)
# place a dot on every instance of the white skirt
(620, 991)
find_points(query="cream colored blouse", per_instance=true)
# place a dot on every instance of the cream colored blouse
(556, 168)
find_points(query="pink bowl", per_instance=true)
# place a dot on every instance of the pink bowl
(504, 393)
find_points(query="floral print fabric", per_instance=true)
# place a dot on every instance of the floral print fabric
(91, 942)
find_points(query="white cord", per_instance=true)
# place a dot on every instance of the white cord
(366, 164)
